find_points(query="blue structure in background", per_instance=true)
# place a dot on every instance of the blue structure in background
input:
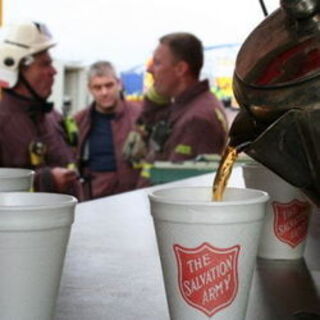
(132, 80)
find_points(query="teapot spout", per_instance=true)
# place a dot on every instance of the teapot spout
(290, 148)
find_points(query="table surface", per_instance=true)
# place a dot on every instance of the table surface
(112, 269)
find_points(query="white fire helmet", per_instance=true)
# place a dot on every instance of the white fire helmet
(21, 42)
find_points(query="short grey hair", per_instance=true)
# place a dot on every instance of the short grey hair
(100, 69)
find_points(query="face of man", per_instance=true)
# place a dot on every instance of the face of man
(165, 71)
(105, 91)
(40, 74)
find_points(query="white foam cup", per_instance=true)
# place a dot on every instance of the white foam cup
(207, 249)
(16, 179)
(34, 233)
(288, 213)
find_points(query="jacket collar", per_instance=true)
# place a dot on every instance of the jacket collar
(191, 92)
(119, 111)
(19, 103)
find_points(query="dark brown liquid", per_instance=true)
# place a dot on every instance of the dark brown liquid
(229, 156)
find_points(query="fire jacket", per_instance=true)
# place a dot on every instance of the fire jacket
(21, 124)
(124, 178)
(194, 123)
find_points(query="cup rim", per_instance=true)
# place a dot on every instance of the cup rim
(66, 201)
(9, 173)
(262, 196)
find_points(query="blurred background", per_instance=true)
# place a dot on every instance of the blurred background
(126, 33)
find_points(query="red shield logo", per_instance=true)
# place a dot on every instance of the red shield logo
(291, 221)
(208, 276)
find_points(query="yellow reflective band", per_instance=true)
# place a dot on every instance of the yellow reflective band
(183, 149)
(71, 166)
(221, 118)
(35, 159)
(146, 168)
(155, 97)
(137, 165)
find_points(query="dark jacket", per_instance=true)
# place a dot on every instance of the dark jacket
(195, 121)
(21, 123)
(101, 184)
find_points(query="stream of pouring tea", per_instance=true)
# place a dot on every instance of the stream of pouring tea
(229, 156)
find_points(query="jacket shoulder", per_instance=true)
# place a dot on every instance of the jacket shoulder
(55, 115)
(82, 114)
(6, 116)
(134, 108)
(208, 109)
(208, 98)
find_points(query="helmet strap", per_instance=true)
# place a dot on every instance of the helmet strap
(45, 105)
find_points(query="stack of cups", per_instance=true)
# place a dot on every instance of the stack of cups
(34, 233)
(288, 213)
(207, 249)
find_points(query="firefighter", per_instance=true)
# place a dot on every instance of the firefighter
(181, 118)
(31, 132)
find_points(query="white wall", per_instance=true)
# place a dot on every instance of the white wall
(126, 31)
(70, 83)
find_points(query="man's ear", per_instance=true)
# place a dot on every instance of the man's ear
(182, 68)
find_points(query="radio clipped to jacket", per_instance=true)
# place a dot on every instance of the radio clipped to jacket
(159, 135)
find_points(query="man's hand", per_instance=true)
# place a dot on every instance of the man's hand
(63, 178)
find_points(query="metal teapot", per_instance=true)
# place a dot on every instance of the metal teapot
(277, 85)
